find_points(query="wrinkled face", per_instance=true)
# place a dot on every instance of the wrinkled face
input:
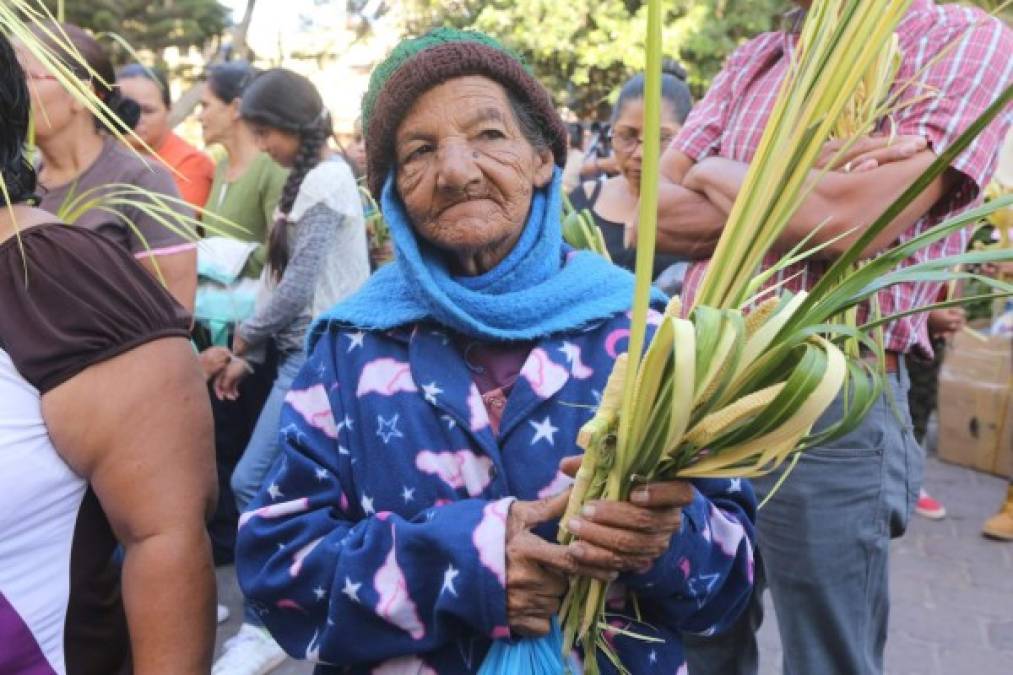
(465, 170)
(53, 108)
(282, 146)
(216, 117)
(154, 123)
(628, 133)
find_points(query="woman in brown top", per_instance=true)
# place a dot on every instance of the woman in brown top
(105, 439)
(78, 156)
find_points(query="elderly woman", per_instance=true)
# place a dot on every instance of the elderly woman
(411, 518)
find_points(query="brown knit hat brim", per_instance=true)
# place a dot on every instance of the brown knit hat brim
(439, 64)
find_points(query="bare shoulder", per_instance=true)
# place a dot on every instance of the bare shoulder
(18, 219)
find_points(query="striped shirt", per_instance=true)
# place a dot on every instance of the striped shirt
(968, 77)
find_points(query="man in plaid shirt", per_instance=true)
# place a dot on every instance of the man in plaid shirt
(825, 536)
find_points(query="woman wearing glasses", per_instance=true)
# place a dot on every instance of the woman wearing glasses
(613, 201)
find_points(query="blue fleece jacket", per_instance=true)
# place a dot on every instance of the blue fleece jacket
(377, 542)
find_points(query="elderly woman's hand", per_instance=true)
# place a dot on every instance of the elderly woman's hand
(628, 536)
(538, 570)
(535, 582)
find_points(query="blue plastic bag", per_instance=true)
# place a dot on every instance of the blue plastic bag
(527, 656)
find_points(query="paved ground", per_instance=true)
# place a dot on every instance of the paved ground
(951, 593)
(951, 589)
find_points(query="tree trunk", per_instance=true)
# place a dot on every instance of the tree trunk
(189, 99)
(239, 44)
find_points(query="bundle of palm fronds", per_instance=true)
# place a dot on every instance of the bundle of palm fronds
(724, 392)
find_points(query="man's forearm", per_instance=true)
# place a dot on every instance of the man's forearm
(169, 596)
(839, 204)
(719, 180)
(689, 224)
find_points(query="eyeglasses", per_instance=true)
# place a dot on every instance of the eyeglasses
(626, 140)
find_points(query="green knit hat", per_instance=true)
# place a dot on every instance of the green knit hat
(419, 64)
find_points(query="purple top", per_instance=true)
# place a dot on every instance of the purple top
(494, 366)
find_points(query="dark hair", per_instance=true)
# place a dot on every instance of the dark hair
(575, 132)
(127, 112)
(673, 90)
(533, 131)
(155, 75)
(228, 80)
(15, 110)
(281, 99)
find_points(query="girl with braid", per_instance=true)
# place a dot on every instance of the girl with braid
(316, 256)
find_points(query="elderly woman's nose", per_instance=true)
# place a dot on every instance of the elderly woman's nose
(457, 166)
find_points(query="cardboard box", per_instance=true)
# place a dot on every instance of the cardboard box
(976, 404)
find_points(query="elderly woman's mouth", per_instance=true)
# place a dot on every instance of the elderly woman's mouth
(466, 207)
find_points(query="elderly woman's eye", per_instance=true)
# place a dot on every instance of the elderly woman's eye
(491, 135)
(418, 153)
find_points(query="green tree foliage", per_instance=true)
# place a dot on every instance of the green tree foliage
(584, 49)
(148, 24)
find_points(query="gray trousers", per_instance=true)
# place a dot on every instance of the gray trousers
(824, 540)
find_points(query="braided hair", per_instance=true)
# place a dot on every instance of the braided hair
(16, 171)
(311, 142)
(281, 99)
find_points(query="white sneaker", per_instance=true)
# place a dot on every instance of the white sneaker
(251, 652)
(223, 613)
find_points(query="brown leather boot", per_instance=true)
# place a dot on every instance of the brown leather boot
(1000, 526)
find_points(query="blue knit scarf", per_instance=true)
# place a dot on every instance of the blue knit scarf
(540, 288)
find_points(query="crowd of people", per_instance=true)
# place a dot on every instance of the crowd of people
(394, 445)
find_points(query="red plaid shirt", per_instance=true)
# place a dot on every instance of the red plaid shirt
(729, 122)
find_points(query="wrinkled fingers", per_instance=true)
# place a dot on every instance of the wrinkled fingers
(532, 604)
(626, 516)
(609, 562)
(624, 542)
(530, 626)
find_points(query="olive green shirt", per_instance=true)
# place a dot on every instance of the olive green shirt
(250, 202)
